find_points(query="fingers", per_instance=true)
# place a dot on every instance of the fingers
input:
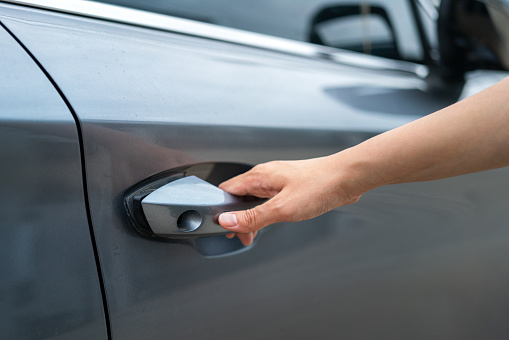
(246, 239)
(249, 220)
(245, 224)
(238, 185)
(259, 181)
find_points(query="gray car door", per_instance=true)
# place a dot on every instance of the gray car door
(422, 260)
(49, 283)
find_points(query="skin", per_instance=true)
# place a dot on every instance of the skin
(469, 136)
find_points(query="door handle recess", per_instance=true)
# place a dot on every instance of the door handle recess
(187, 207)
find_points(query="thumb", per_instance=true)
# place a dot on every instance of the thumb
(246, 221)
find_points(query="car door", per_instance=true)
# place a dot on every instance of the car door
(49, 282)
(292, 19)
(407, 261)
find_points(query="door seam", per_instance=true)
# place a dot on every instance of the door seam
(84, 177)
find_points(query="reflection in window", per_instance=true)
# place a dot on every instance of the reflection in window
(282, 18)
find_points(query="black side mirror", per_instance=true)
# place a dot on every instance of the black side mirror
(342, 27)
(471, 36)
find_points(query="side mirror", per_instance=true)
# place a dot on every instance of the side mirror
(456, 36)
(347, 27)
(472, 35)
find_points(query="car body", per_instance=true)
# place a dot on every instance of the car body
(96, 99)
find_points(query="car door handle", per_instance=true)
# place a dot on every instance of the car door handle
(189, 207)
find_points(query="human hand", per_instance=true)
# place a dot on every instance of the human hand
(430, 148)
(298, 190)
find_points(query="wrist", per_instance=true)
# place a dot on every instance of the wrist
(355, 175)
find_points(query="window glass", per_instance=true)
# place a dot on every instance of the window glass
(289, 19)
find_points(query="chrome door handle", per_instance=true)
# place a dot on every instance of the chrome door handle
(189, 207)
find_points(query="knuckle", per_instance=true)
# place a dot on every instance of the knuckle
(250, 219)
(266, 167)
(259, 168)
(353, 199)
(274, 165)
(281, 211)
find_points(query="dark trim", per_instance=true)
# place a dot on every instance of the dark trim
(426, 48)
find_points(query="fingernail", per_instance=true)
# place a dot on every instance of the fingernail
(228, 220)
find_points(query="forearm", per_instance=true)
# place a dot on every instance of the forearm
(469, 136)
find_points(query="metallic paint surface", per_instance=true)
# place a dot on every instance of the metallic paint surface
(193, 28)
(420, 261)
(49, 287)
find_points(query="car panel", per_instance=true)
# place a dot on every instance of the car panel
(284, 18)
(423, 259)
(49, 285)
(215, 32)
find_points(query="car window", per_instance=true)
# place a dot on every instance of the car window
(282, 18)
(292, 19)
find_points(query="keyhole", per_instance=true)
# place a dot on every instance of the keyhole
(189, 220)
